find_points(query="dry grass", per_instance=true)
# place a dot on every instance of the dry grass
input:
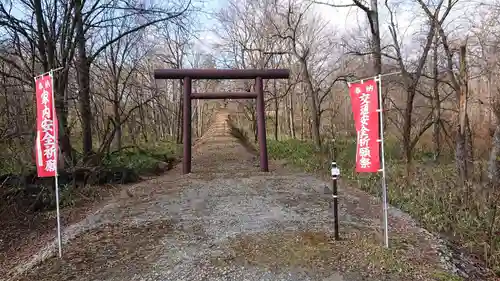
(317, 252)
(24, 233)
(466, 215)
(110, 251)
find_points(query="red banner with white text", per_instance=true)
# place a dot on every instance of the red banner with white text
(46, 128)
(364, 101)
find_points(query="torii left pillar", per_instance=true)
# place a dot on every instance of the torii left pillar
(256, 74)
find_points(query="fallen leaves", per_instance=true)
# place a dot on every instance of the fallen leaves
(111, 250)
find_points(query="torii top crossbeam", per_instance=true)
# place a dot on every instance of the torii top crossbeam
(190, 74)
(221, 73)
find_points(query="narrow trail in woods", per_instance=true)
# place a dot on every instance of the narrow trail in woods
(228, 221)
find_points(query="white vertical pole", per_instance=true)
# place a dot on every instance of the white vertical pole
(39, 149)
(59, 242)
(56, 181)
(357, 133)
(383, 181)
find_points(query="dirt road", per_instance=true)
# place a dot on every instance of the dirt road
(228, 221)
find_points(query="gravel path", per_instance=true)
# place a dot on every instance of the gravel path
(228, 221)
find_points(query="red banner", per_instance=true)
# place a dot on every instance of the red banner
(46, 126)
(364, 100)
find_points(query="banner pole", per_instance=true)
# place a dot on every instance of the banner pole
(382, 158)
(379, 76)
(59, 242)
(49, 72)
(56, 176)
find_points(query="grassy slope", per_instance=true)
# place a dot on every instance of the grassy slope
(141, 159)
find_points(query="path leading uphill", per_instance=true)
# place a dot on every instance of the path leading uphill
(228, 221)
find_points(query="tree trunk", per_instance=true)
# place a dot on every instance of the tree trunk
(143, 129)
(200, 117)
(436, 104)
(194, 119)
(315, 118)
(286, 116)
(254, 127)
(375, 30)
(179, 112)
(290, 116)
(302, 121)
(46, 49)
(463, 152)
(407, 122)
(117, 123)
(494, 161)
(132, 123)
(276, 118)
(461, 155)
(83, 73)
(62, 116)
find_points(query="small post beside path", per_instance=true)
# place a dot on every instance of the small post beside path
(335, 173)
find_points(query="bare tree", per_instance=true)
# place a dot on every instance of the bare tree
(178, 41)
(411, 79)
(93, 22)
(318, 71)
(249, 43)
(39, 44)
(370, 8)
(459, 83)
(122, 61)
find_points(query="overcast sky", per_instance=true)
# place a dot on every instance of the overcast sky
(408, 16)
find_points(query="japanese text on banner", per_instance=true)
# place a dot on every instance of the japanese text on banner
(47, 130)
(364, 101)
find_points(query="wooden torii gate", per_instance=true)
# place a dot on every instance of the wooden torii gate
(216, 74)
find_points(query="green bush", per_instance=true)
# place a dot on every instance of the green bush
(142, 159)
(298, 152)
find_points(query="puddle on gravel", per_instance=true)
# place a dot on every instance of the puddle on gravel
(111, 250)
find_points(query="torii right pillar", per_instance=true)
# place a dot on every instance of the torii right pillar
(257, 74)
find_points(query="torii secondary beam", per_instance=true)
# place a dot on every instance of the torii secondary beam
(189, 74)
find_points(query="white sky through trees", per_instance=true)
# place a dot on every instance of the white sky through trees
(351, 20)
